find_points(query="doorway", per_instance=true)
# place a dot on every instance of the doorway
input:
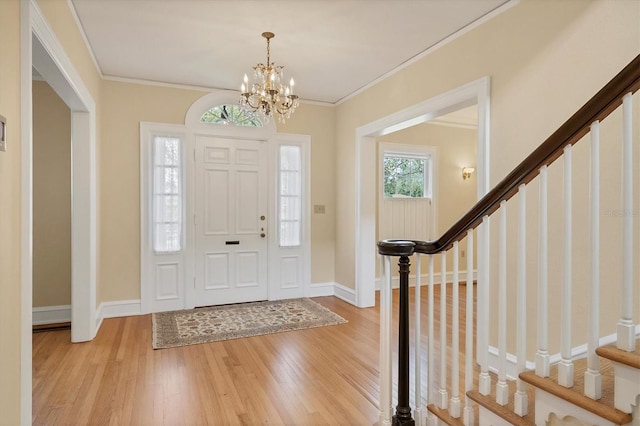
(40, 49)
(476, 92)
(51, 208)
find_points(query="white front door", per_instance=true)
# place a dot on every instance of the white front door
(230, 223)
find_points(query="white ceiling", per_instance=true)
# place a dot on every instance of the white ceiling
(331, 47)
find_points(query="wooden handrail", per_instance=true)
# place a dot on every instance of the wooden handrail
(597, 108)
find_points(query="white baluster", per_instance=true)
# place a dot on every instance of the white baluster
(521, 399)
(454, 407)
(484, 380)
(565, 367)
(542, 355)
(444, 397)
(592, 377)
(468, 414)
(431, 397)
(418, 411)
(625, 329)
(385, 343)
(502, 389)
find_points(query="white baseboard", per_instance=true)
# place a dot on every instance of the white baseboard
(333, 289)
(424, 279)
(578, 352)
(120, 308)
(51, 314)
(321, 289)
(345, 293)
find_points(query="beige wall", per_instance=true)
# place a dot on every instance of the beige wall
(455, 148)
(51, 198)
(10, 199)
(319, 122)
(545, 59)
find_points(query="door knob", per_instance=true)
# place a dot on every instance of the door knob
(263, 235)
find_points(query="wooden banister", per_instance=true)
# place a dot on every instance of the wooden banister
(597, 108)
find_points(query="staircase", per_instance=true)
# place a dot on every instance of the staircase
(514, 375)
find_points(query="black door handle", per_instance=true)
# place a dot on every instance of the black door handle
(232, 243)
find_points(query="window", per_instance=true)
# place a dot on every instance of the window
(290, 196)
(167, 194)
(231, 114)
(407, 175)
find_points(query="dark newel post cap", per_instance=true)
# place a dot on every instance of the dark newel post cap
(396, 247)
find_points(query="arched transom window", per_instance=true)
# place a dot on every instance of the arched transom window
(230, 114)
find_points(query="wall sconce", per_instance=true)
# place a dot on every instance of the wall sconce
(466, 172)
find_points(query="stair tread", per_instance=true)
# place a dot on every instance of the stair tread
(611, 352)
(445, 416)
(506, 411)
(604, 407)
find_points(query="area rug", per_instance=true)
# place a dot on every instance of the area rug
(212, 324)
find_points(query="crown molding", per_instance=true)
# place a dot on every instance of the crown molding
(76, 18)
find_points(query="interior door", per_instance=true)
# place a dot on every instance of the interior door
(230, 223)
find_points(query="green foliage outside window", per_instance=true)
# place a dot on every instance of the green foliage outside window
(404, 177)
(231, 114)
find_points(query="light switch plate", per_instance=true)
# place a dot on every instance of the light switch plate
(318, 208)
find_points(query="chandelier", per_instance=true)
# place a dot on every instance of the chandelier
(267, 95)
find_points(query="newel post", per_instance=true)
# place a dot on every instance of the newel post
(402, 249)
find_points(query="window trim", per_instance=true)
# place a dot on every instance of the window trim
(152, 262)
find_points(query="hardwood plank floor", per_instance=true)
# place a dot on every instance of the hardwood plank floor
(326, 375)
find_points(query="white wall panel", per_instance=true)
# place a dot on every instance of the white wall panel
(168, 281)
(290, 272)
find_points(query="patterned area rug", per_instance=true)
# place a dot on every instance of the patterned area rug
(212, 324)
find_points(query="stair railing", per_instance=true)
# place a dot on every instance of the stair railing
(443, 398)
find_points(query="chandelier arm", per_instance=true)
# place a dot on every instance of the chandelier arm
(248, 103)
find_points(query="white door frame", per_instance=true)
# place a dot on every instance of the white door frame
(40, 48)
(189, 131)
(475, 92)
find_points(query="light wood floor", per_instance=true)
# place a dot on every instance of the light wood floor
(326, 375)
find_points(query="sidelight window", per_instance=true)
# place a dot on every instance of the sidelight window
(290, 196)
(167, 194)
